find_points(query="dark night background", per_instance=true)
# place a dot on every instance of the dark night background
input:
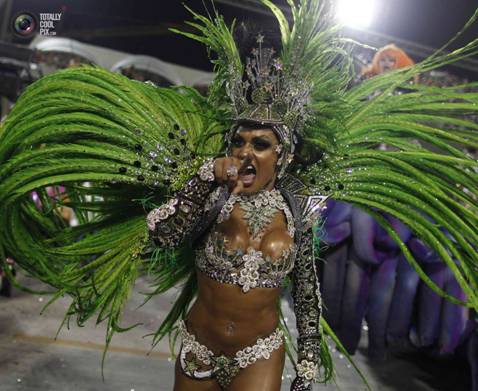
(141, 26)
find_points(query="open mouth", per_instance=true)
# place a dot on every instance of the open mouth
(248, 175)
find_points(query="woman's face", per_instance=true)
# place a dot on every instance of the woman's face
(387, 63)
(257, 149)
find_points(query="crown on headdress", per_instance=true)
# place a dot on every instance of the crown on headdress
(268, 94)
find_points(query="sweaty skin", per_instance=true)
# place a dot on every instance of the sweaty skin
(224, 318)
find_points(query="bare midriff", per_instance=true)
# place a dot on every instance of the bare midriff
(224, 318)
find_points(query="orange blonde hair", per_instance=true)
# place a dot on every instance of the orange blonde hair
(402, 60)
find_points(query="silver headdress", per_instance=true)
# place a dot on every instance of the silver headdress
(269, 95)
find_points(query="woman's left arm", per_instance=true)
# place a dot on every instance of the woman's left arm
(307, 308)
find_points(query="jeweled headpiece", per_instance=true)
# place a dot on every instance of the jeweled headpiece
(267, 93)
(274, 90)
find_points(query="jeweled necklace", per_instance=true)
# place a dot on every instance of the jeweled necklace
(258, 208)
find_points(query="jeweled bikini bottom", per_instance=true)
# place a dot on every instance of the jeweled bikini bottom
(198, 362)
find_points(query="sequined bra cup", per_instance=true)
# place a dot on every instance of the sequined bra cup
(250, 269)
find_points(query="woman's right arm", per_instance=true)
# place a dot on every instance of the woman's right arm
(173, 222)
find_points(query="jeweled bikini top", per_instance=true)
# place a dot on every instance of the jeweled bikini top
(248, 269)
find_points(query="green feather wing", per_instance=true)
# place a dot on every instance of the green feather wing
(118, 146)
(399, 153)
(217, 37)
(403, 154)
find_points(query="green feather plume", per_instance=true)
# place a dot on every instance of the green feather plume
(119, 147)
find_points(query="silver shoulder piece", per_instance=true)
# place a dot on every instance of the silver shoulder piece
(312, 207)
(292, 184)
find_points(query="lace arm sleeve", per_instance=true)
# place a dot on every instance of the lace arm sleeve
(173, 222)
(307, 308)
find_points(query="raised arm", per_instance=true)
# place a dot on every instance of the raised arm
(173, 222)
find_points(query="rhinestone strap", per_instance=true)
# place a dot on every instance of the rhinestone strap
(262, 349)
(190, 344)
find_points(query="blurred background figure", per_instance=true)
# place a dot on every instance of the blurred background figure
(388, 58)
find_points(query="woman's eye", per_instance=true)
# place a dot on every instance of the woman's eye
(237, 142)
(261, 145)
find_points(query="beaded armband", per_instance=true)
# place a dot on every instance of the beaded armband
(173, 221)
(307, 308)
(307, 370)
(206, 171)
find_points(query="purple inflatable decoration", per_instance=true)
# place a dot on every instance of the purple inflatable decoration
(365, 276)
(401, 311)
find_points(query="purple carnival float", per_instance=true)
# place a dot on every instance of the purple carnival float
(365, 277)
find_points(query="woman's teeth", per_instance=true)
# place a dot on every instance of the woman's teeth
(249, 170)
(248, 175)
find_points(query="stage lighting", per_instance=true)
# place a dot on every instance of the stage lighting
(356, 13)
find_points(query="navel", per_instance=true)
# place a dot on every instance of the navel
(230, 329)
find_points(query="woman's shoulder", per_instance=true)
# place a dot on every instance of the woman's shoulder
(305, 207)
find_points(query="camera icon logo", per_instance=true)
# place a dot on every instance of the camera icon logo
(24, 24)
